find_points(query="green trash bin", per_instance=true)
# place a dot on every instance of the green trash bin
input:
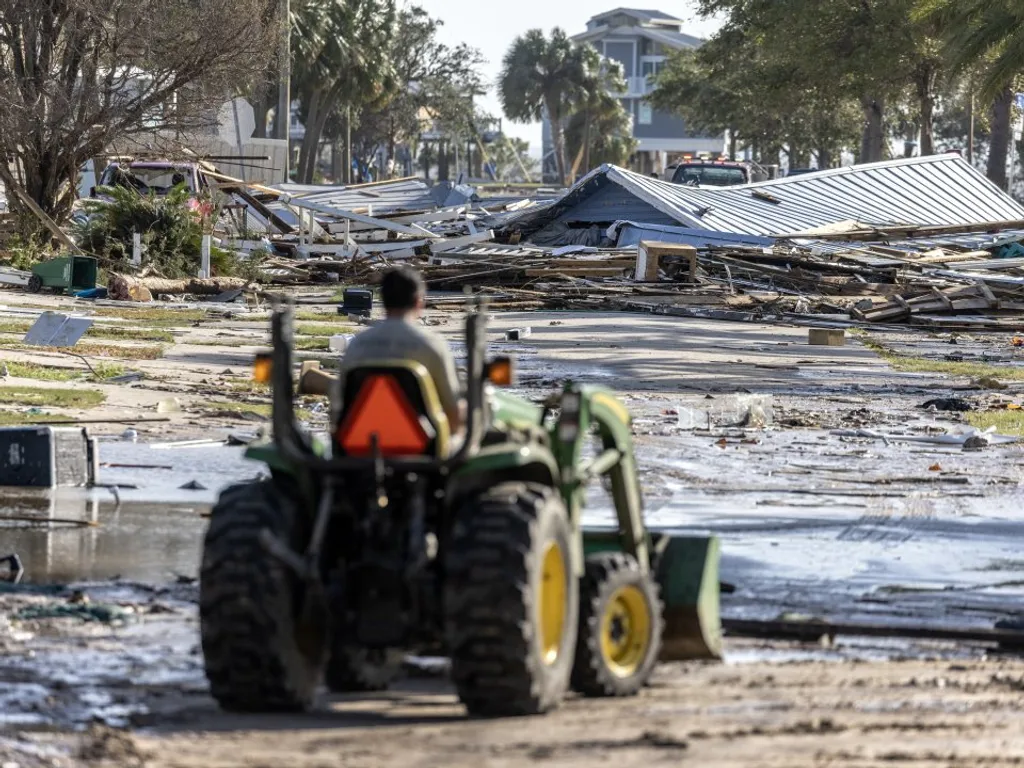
(64, 274)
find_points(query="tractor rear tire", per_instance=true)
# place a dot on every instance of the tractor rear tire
(352, 669)
(258, 658)
(35, 284)
(621, 627)
(511, 601)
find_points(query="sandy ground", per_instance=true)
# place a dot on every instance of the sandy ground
(126, 696)
(810, 521)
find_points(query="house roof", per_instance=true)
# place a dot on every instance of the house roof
(643, 15)
(669, 37)
(935, 190)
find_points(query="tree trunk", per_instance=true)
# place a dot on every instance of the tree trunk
(824, 158)
(392, 148)
(309, 141)
(336, 154)
(586, 145)
(733, 143)
(442, 160)
(558, 140)
(1001, 134)
(798, 157)
(129, 288)
(872, 144)
(261, 108)
(318, 131)
(927, 101)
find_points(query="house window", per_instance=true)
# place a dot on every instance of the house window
(645, 115)
(651, 65)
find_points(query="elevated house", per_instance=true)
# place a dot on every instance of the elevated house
(641, 41)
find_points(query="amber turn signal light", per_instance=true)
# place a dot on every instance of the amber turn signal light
(262, 367)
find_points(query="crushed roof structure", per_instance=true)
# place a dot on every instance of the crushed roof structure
(938, 190)
(384, 197)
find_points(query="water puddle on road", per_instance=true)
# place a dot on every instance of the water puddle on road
(149, 529)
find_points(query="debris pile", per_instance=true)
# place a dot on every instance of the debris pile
(925, 241)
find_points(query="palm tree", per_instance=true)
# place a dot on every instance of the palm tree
(340, 64)
(600, 133)
(550, 78)
(986, 35)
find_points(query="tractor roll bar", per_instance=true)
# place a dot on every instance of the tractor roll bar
(296, 445)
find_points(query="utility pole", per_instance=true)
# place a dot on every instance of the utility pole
(282, 121)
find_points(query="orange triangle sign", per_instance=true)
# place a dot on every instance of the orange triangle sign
(382, 409)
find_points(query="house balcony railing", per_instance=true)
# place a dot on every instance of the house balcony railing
(636, 87)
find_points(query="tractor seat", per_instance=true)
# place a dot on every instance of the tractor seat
(397, 401)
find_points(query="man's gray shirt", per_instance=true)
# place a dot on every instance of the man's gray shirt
(403, 340)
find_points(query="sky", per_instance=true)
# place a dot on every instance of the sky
(491, 27)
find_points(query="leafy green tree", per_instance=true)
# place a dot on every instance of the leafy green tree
(987, 36)
(548, 78)
(876, 52)
(171, 226)
(511, 158)
(433, 78)
(78, 75)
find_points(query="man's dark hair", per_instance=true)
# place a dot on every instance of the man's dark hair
(401, 288)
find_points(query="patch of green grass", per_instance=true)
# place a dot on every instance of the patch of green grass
(106, 371)
(101, 332)
(312, 342)
(913, 364)
(1005, 422)
(42, 372)
(229, 341)
(249, 388)
(125, 332)
(321, 329)
(51, 398)
(92, 350)
(311, 316)
(17, 418)
(53, 373)
(154, 316)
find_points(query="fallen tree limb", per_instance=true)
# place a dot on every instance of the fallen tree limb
(129, 288)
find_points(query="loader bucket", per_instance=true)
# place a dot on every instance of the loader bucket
(687, 573)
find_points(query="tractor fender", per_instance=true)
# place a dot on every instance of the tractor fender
(500, 463)
(281, 467)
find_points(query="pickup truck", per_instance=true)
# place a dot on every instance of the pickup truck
(710, 173)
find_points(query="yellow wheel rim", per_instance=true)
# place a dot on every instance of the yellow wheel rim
(553, 591)
(625, 631)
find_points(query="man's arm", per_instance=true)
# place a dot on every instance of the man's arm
(449, 389)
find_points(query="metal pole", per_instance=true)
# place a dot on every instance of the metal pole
(970, 133)
(282, 121)
(348, 144)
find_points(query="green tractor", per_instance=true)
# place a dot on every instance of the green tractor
(387, 539)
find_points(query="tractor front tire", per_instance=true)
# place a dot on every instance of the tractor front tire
(621, 627)
(258, 658)
(511, 601)
(35, 284)
(353, 669)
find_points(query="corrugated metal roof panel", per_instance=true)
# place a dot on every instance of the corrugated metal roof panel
(399, 195)
(934, 190)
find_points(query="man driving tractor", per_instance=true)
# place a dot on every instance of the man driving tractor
(399, 337)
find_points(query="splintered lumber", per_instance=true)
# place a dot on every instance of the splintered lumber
(129, 288)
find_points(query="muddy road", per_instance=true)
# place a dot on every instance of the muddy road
(785, 451)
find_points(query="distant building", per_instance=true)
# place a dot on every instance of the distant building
(641, 41)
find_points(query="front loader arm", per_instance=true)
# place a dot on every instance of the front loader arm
(582, 408)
